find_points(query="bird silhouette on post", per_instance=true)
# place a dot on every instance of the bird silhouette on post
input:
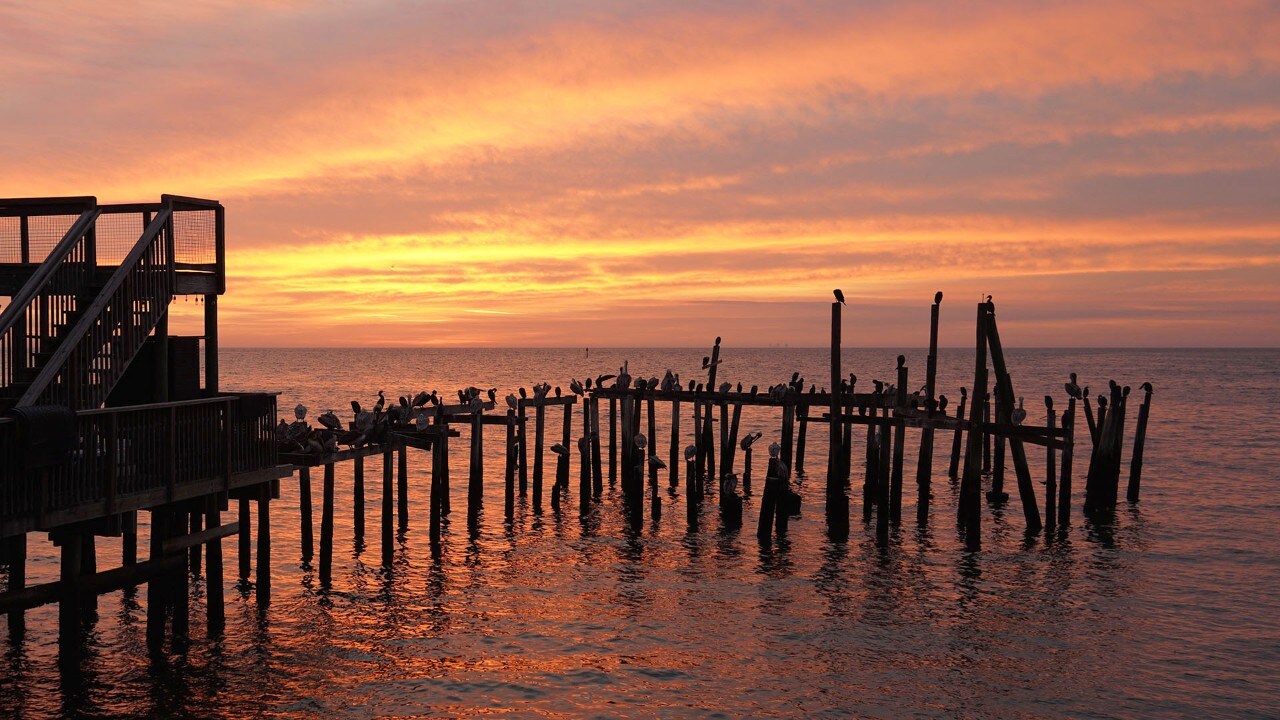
(839, 296)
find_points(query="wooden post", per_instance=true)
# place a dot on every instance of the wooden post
(522, 430)
(731, 447)
(899, 441)
(1004, 388)
(129, 538)
(837, 502)
(969, 511)
(746, 471)
(673, 465)
(304, 510)
(509, 473)
(1050, 479)
(584, 463)
(157, 587)
(788, 427)
(357, 496)
(698, 439)
(215, 607)
(402, 486)
(652, 449)
(245, 544)
(539, 423)
(924, 463)
(597, 468)
(613, 440)
(872, 463)
(211, 342)
(475, 476)
(986, 436)
(954, 471)
(803, 411)
(388, 504)
(196, 521)
(17, 559)
(326, 527)
(1068, 450)
(884, 484)
(439, 458)
(70, 595)
(264, 545)
(770, 503)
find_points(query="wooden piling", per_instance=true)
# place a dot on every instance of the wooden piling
(884, 491)
(597, 468)
(264, 545)
(522, 430)
(969, 511)
(306, 531)
(475, 475)
(1004, 388)
(157, 588)
(613, 440)
(652, 449)
(899, 443)
(788, 427)
(746, 471)
(770, 503)
(71, 594)
(954, 471)
(196, 523)
(802, 413)
(129, 538)
(1050, 467)
(402, 487)
(388, 504)
(872, 465)
(1139, 443)
(326, 526)
(837, 502)
(673, 465)
(1068, 450)
(539, 427)
(16, 554)
(439, 458)
(215, 603)
(584, 465)
(245, 541)
(357, 496)
(924, 464)
(509, 472)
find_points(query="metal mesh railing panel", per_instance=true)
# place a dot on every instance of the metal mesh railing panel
(195, 237)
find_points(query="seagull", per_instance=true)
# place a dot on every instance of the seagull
(839, 296)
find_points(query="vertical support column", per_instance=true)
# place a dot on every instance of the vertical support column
(613, 440)
(211, 343)
(215, 612)
(969, 511)
(475, 476)
(1004, 388)
(157, 586)
(304, 512)
(388, 503)
(673, 464)
(402, 485)
(899, 442)
(884, 493)
(509, 472)
(326, 527)
(837, 500)
(1139, 443)
(924, 465)
(70, 596)
(161, 377)
(597, 468)
(264, 545)
(1050, 479)
(439, 457)
(245, 541)
(1068, 450)
(357, 496)
(16, 555)
(803, 410)
(562, 461)
(956, 440)
(197, 522)
(539, 422)
(522, 430)
(129, 538)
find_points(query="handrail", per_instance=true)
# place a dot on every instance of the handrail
(18, 304)
(37, 206)
(160, 405)
(91, 316)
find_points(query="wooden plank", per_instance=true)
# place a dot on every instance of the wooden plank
(209, 534)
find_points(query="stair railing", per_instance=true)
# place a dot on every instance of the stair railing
(29, 323)
(96, 351)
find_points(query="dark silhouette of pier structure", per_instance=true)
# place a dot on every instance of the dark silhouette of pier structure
(108, 416)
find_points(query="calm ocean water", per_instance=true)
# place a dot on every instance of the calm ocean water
(1169, 611)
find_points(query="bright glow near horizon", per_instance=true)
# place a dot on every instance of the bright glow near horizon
(657, 173)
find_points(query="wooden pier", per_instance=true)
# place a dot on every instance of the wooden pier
(87, 445)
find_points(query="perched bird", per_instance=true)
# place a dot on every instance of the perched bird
(689, 452)
(559, 449)
(729, 484)
(512, 400)
(493, 394)
(749, 440)
(642, 442)
(942, 403)
(300, 411)
(692, 384)
(1018, 413)
(1073, 390)
(725, 387)
(421, 398)
(576, 387)
(330, 421)
(839, 296)
(642, 384)
(1146, 387)
(601, 378)
(656, 462)
(754, 389)
(355, 407)
(462, 398)
(775, 450)
(739, 387)
(382, 403)
(523, 394)
(937, 298)
(476, 405)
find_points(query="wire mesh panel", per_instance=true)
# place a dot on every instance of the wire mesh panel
(117, 233)
(195, 237)
(46, 231)
(10, 240)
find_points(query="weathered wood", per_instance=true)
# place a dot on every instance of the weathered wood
(802, 416)
(613, 440)
(524, 446)
(969, 511)
(1050, 478)
(597, 468)
(1068, 451)
(539, 427)
(899, 443)
(884, 484)
(673, 465)
(16, 556)
(306, 532)
(402, 486)
(357, 497)
(177, 544)
(509, 471)
(245, 540)
(954, 471)
(263, 586)
(837, 502)
(475, 476)
(326, 526)
(215, 603)
(388, 505)
(1004, 388)
(770, 503)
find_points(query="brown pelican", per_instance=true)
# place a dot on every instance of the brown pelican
(300, 411)
(1073, 390)
(421, 398)
(330, 421)
(749, 440)
(576, 387)
(725, 387)
(839, 296)
(1019, 415)
(476, 405)
(512, 401)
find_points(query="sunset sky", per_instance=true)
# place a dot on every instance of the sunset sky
(653, 172)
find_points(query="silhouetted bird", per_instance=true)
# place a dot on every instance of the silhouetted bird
(576, 387)
(656, 462)
(839, 296)
(689, 452)
(1073, 390)
(493, 394)
(512, 401)
(937, 298)
(1019, 414)
(1147, 387)
(330, 421)
(559, 449)
(382, 403)
(523, 395)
